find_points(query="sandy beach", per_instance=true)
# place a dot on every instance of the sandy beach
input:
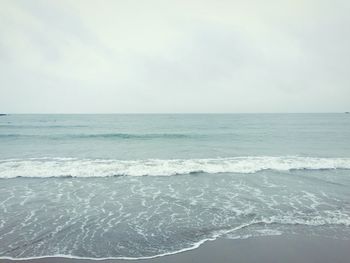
(291, 248)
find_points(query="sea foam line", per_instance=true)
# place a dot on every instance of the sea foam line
(71, 167)
(194, 246)
(215, 235)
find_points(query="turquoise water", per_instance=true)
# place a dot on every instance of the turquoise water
(136, 186)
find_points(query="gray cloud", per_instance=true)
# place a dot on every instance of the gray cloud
(174, 56)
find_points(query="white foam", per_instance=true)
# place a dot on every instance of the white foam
(229, 233)
(195, 245)
(60, 167)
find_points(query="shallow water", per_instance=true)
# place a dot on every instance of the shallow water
(136, 186)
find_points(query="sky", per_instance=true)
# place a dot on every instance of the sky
(174, 56)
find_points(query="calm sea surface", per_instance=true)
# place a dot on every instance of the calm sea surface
(138, 186)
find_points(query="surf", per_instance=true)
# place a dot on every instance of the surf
(74, 167)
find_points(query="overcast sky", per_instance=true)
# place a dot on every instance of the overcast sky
(174, 56)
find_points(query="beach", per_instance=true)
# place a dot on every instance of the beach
(174, 131)
(137, 187)
(287, 249)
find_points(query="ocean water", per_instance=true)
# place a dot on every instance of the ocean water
(141, 186)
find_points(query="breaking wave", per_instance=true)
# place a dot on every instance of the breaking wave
(71, 167)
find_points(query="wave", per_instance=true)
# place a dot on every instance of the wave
(26, 126)
(134, 136)
(225, 232)
(103, 136)
(71, 167)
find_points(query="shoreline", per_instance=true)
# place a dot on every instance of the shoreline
(264, 249)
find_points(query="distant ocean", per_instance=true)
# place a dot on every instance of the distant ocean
(141, 186)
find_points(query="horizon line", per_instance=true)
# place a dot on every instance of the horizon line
(159, 113)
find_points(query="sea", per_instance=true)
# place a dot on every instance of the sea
(135, 186)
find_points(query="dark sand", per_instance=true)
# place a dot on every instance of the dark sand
(279, 249)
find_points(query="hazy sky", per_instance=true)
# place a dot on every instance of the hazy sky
(174, 56)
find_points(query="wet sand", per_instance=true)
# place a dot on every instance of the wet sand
(292, 248)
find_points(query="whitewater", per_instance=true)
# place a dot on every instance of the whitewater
(71, 167)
